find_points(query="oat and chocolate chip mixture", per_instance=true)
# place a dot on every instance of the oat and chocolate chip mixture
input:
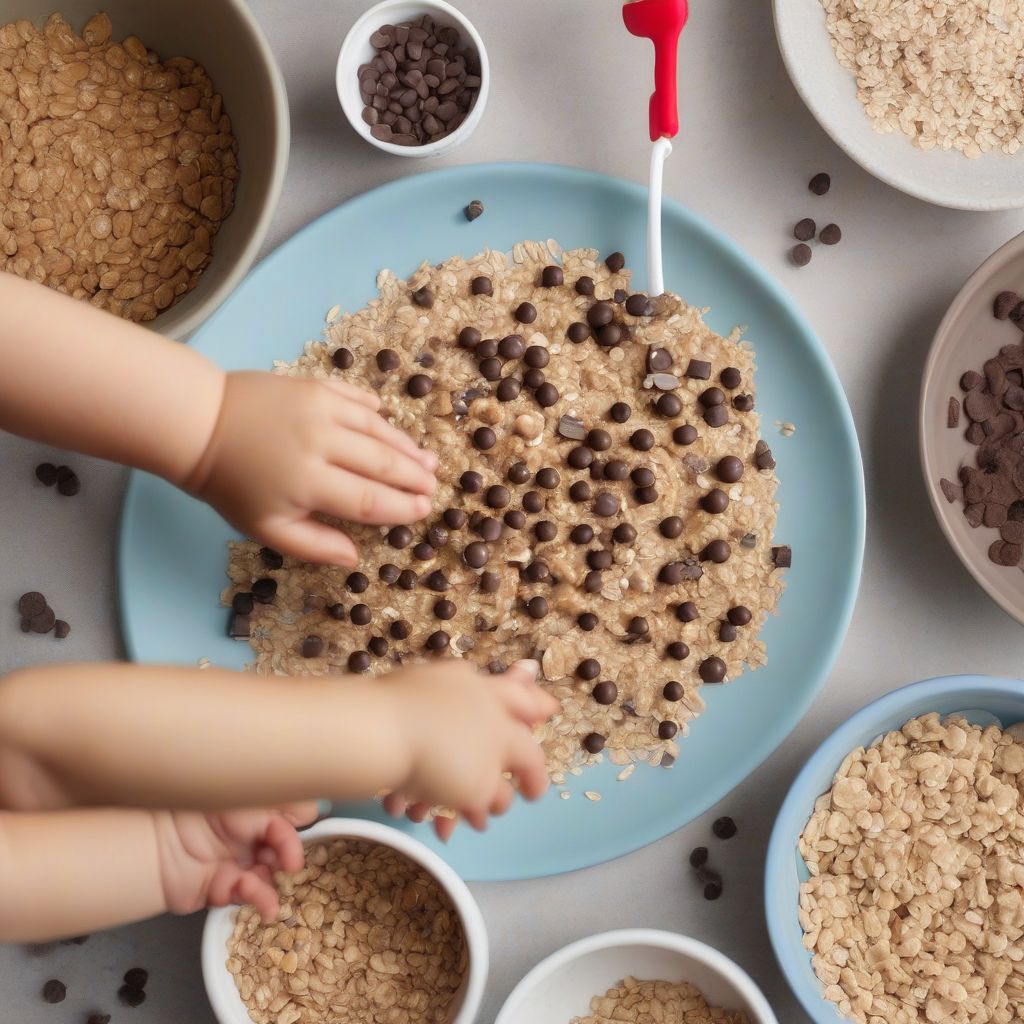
(915, 906)
(116, 167)
(645, 1002)
(605, 501)
(364, 934)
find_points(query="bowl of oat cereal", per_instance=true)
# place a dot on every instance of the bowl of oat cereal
(925, 96)
(150, 147)
(636, 974)
(375, 928)
(895, 869)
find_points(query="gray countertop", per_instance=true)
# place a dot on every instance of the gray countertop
(570, 86)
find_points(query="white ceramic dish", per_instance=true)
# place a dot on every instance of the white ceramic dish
(992, 182)
(357, 50)
(561, 987)
(220, 986)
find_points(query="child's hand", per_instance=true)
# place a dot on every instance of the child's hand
(465, 732)
(285, 448)
(211, 860)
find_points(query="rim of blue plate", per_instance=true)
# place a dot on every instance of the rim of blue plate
(845, 599)
(797, 806)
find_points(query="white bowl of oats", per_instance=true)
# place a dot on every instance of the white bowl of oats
(606, 978)
(376, 924)
(935, 107)
(895, 872)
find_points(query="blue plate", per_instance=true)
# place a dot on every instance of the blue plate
(172, 549)
(981, 699)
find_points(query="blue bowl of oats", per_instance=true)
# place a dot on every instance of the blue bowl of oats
(895, 871)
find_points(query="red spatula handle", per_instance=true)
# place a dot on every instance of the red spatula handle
(661, 21)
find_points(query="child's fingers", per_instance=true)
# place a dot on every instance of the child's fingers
(300, 813)
(370, 423)
(282, 838)
(475, 818)
(503, 798)
(348, 496)
(379, 461)
(418, 812)
(350, 391)
(395, 804)
(526, 763)
(313, 541)
(524, 698)
(253, 891)
(445, 827)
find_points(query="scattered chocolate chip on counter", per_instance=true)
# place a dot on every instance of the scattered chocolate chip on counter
(820, 183)
(420, 85)
(801, 254)
(953, 412)
(46, 474)
(54, 991)
(474, 210)
(805, 230)
(38, 617)
(830, 234)
(98, 1018)
(130, 996)
(65, 478)
(724, 828)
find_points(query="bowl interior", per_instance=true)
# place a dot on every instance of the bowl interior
(979, 699)
(358, 50)
(993, 182)
(968, 336)
(223, 38)
(560, 990)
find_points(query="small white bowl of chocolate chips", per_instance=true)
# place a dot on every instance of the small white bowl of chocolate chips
(413, 77)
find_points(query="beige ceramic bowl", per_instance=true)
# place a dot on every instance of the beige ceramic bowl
(223, 36)
(968, 335)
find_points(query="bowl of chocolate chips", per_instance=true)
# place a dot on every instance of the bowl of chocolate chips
(972, 426)
(413, 78)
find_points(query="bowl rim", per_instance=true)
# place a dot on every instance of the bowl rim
(213, 953)
(942, 340)
(345, 63)
(831, 752)
(676, 943)
(908, 185)
(181, 327)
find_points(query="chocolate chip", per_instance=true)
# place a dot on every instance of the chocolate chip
(536, 357)
(805, 230)
(490, 368)
(729, 469)
(699, 857)
(475, 208)
(532, 501)
(497, 496)
(548, 477)
(615, 469)
(671, 573)
(820, 183)
(624, 533)
(534, 377)
(580, 458)
(489, 582)
(552, 277)
(312, 647)
(46, 474)
(31, 604)
(469, 337)
(68, 483)
(512, 347)
(731, 378)
(678, 650)
(488, 528)
(726, 632)
(740, 615)
(437, 536)
(271, 558)
(596, 470)
(577, 332)
(673, 691)
(599, 560)
(400, 629)
(669, 405)
(716, 416)
(537, 571)
(587, 621)
(471, 481)
(642, 476)
(763, 456)
(782, 556)
(580, 491)
(243, 603)
(600, 314)
(419, 385)
(546, 395)
(671, 527)
(481, 286)
(589, 668)
(582, 534)
(667, 730)
(637, 626)
(638, 305)
(801, 254)
(356, 582)
(594, 743)
(476, 555)
(438, 640)
(239, 627)
(605, 692)
(54, 991)
(1004, 304)
(698, 369)
(615, 262)
(715, 502)
(712, 670)
(724, 827)
(646, 495)
(514, 519)
(687, 611)
(455, 518)
(407, 579)
(830, 234)
(378, 646)
(265, 590)
(526, 312)
(620, 412)
(61, 630)
(717, 551)
(642, 440)
(437, 580)
(609, 336)
(387, 360)
(599, 440)
(713, 890)
(585, 286)
(685, 434)
(423, 297)
(606, 505)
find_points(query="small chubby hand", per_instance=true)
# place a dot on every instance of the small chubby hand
(212, 860)
(286, 448)
(470, 738)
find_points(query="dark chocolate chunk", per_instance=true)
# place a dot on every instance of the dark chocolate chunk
(475, 208)
(801, 254)
(68, 483)
(265, 590)
(639, 305)
(54, 991)
(594, 743)
(698, 369)
(242, 603)
(46, 474)
(805, 230)
(763, 456)
(782, 556)
(820, 183)
(724, 827)
(830, 234)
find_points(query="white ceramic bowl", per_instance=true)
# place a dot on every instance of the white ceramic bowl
(357, 50)
(561, 987)
(995, 181)
(220, 985)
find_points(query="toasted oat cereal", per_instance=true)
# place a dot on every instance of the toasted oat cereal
(364, 935)
(656, 1002)
(604, 505)
(947, 73)
(116, 168)
(915, 906)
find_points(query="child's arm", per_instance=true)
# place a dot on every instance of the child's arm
(140, 736)
(266, 451)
